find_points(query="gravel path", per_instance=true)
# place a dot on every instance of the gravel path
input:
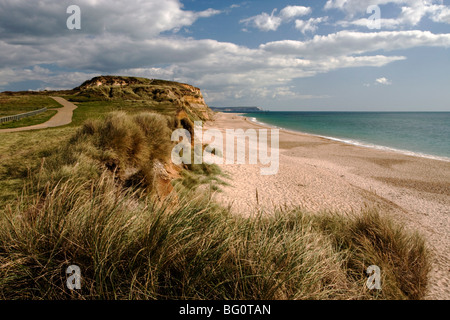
(61, 118)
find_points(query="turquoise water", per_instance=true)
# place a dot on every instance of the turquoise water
(418, 133)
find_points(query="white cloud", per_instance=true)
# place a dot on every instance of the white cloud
(412, 12)
(352, 42)
(291, 12)
(59, 80)
(310, 25)
(48, 17)
(364, 22)
(360, 6)
(383, 81)
(206, 13)
(266, 22)
(289, 92)
(221, 69)
(441, 14)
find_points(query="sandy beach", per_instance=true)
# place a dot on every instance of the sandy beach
(319, 174)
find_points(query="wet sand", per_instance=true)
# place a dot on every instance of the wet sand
(319, 174)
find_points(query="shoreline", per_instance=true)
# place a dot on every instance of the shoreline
(320, 174)
(349, 141)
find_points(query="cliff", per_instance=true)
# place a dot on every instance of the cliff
(162, 93)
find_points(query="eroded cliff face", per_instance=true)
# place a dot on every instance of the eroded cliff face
(182, 96)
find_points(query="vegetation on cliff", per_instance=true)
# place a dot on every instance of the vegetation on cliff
(156, 93)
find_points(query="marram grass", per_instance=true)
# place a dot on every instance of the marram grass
(130, 246)
(76, 210)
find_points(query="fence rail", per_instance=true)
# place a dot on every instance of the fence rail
(22, 115)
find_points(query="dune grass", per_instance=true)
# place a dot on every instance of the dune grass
(77, 209)
(130, 246)
(127, 145)
(371, 239)
(98, 109)
(22, 153)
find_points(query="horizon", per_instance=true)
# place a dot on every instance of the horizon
(321, 56)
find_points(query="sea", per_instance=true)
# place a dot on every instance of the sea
(423, 134)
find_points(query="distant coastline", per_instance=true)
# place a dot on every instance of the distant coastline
(238, 109)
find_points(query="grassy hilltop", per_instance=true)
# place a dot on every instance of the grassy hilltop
(100, 95)
(158, 95)
(102, 193)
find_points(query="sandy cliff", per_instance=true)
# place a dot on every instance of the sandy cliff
(183, 96)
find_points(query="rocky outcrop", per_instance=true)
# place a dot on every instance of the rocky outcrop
(179, 95)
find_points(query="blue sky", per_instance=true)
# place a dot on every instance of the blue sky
(281, 55)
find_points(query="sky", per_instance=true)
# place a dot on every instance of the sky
(311, 55)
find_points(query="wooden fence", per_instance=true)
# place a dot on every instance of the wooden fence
(22, 115)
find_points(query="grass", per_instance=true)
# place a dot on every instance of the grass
(130, 246)
(99, 109)
(22, 152)
(370, 239)
(65, 199)
(130, 145)
(29, 121)
(16, 104)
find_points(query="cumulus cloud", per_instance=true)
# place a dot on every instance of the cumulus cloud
(441, 14)
(352, 42)
(291, 12)
(291, 93)
(271, 22)
(383, 81)
(134, 18)
(123, 40)
(55, 80)
(412, 12)
(218, 67)
(379, 81)
(358, 6)
(309, 25)
(264, 21)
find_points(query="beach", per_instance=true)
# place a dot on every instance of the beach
(319, 174)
